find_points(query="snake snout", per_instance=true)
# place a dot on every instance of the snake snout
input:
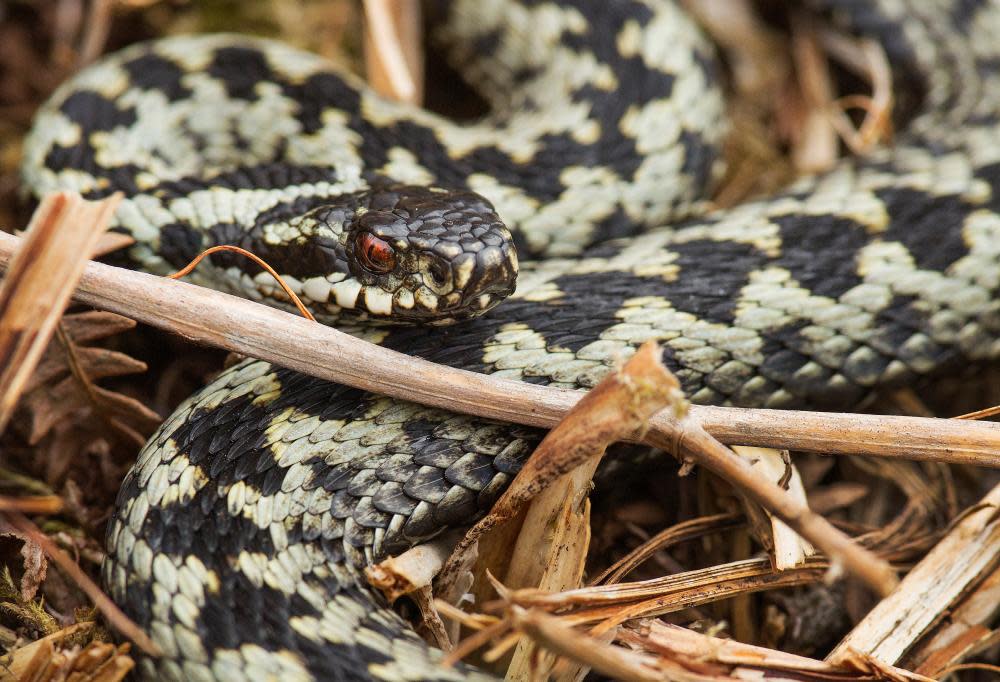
(493, 278)
(459, 250)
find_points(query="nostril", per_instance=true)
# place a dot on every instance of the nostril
(439, 272)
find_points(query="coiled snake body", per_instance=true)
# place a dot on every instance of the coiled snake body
(240, 533)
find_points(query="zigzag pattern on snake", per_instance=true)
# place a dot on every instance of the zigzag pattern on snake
(241, 531)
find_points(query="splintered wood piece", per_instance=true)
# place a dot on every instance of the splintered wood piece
(393, 57)
(39, 281)
(969, 552)
(731, 660)
(551, 548)
(786, 547)
(410, 571)
(962, 633)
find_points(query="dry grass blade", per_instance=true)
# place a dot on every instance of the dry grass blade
(957, 563)
(981, 414)
(671, 592)
(256, 259)
(615, 662)
(686, 530)
(606, 608)
(393, 56)
(483, 632)
(971, 666)
(40, 504)
(39, 282)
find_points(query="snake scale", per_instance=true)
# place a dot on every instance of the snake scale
(240, 534)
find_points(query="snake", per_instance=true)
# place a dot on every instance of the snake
(543, 241)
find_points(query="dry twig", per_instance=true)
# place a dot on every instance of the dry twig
(224, 321)
(259, 331)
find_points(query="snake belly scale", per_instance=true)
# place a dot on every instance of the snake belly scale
(241, 532)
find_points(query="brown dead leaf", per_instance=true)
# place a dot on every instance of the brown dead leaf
(73, 421)
(96, 363)
(34, 565)
(68, 400)
(35, 568)
(81, 454)
(92, 325)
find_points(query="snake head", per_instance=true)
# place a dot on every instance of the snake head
(386, 254)
(426, 255)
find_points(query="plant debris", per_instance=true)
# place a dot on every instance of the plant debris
(684, 577)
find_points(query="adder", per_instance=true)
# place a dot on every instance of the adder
(241, 532)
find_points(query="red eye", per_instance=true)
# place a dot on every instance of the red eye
(374, 253)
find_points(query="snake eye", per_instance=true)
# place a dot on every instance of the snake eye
(375, 254)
